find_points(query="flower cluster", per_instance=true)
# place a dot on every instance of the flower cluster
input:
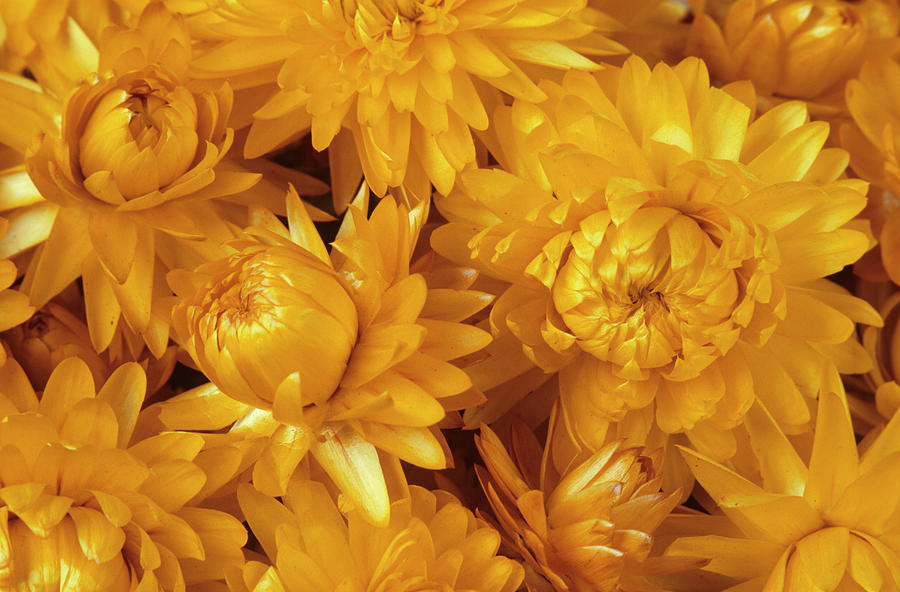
(450, 295)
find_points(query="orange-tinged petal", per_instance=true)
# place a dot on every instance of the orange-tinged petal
(100, 541)
(70, 382)
(834, 463)
(354, 466)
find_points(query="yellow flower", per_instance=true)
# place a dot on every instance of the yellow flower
(803, 49)
(54, 333)
(826, 524)
(135, 146)
(585, 528)
(408, 78)
(663, 253)
(431, 543)
(345, 355)
(82, 501)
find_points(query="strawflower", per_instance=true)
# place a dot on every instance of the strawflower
(84, 505)
(431, 543)
(55, 333)
(408, 80)
(795, 49)
(663, 253)
(829, 523)
(585, 528)
(343, 354)
(134, 147)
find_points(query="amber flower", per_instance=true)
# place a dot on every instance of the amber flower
(54, 333)
(82, 501)
(432, 542)
(409, 80)
(585, 528)
(343, 354)
(826, 524)
(800, 49)
(135, 144)
(663, 252)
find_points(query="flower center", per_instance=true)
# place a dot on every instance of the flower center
(388, 26)
(142, 130)
(663, 289)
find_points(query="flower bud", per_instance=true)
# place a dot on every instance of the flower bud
(793, 48)
(265, 313)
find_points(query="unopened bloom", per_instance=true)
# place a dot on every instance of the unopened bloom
(135, 145)
(82, 501)
(585, 528)
(828, 523)
(663, 252)
(408, 79)
(801, 49)
(432, 542)
(344, 354)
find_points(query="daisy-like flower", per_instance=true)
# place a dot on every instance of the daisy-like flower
(663, 252)
(585, 528)
(343, 354)
(84, 505)
(801, 49)
(135, 145)
(431, 543)
(826, 524)
(407, 78)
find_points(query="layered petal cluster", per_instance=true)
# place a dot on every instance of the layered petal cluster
(796, 49)
(134, 146)
(54, 333)
(587, 528)
(829, 523)
(408, 79)
(431, 543)
(85, 505)
(663, 252)
(344, 354)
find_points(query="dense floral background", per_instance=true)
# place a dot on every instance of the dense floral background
(449, 295)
